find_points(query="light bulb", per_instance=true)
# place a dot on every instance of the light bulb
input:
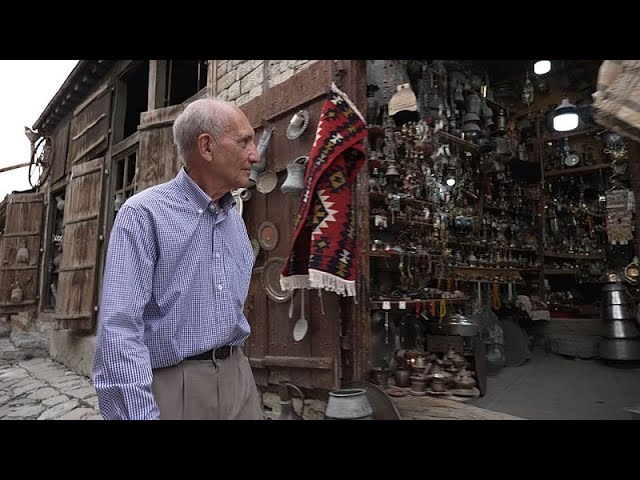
(565, 122)
(566, 117)
(451, 181)
(541, 67)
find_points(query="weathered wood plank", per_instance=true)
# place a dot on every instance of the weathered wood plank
(322, 363)
(432, 408)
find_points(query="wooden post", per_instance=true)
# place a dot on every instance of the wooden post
(634, 174)
(157, 84)
(212, 78)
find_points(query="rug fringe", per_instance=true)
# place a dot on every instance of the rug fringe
(331, 283)
(348, 100)
(294, 282)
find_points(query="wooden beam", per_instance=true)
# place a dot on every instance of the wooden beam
(13, 167)
(321, 363)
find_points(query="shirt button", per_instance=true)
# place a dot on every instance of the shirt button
(200, 210)
(220, 287)
(217, 255)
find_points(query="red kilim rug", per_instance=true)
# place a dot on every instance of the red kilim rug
(323, 252)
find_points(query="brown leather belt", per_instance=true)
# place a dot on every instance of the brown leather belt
(219, 353)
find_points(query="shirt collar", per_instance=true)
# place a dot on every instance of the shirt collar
(194, 193)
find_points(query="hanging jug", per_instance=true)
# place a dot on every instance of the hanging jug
(287, 410)
(23, 253)
(294, 183)
(16, 293)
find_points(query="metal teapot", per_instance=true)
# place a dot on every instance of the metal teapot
(287, 411)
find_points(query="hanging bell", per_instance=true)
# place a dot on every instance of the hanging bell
(502, 122)
(392, 171)
(294, 183)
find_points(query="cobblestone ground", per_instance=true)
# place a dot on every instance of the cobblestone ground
(42, 389)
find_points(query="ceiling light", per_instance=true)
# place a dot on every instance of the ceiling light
(541, 67)
(565, 117)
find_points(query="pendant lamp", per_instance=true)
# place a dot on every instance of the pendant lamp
(565, 117)
(542, 67)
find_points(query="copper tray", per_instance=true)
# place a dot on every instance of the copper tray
(271, 280)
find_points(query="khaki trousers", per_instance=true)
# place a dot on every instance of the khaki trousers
(204, 390)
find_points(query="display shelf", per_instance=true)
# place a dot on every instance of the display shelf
(577, 170)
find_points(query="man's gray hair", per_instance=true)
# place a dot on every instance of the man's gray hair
(201, 116)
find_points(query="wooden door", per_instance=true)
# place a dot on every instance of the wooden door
(22, 230)
(77, 302)
(157, 157)
(89, 129)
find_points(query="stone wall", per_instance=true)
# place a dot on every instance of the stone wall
(73, 349)
(243, 80)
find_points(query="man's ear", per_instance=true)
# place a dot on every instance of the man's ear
(205, 146)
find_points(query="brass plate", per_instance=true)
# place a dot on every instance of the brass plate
(271, 280)
(268, 236)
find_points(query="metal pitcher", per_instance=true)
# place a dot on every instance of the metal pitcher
(294, 183)
(348, 404)
(287, 410)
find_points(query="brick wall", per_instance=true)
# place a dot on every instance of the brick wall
(242, 80)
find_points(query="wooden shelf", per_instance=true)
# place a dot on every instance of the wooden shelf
(392, 253)
(402, 220)
(408, 201)
(560, 271)
(547, 137)
(495, 247)
(576, 256)
(395, 303)
(495, 269)
(577, 170)
(457, 140)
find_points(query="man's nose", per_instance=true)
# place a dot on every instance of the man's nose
(254, 156)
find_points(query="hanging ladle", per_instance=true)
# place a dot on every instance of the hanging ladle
(301, 326)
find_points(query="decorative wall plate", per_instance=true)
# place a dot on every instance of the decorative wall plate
(266, 182)
(256, 248)
(298, 124)
(271, 280)
(268, 236)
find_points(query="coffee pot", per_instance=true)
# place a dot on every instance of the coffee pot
(287, 410)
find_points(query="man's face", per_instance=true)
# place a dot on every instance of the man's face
(235, 153)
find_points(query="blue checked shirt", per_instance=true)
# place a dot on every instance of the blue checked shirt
(176, 277)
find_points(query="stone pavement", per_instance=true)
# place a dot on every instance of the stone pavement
(42, 389)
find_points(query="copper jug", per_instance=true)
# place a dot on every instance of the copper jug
(287, 411)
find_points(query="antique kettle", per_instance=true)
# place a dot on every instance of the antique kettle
(294, 183)
(287, 411)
